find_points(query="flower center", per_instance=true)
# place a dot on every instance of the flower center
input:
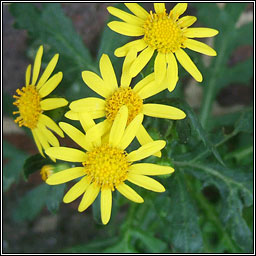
(163, 33)
(123, 96)
(28, 103)
(106, 166)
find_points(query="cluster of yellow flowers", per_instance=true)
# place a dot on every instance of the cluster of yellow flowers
(105, 163)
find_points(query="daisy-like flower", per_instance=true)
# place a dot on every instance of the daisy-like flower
(31, 103)
(116, 96)
(106, 166)
(162, 32)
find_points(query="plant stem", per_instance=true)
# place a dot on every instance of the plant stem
(210, 88)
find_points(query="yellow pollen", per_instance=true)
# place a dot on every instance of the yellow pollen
(123, 96)
(46, 172)
(106, 166)
(162, 33)
(28, 103)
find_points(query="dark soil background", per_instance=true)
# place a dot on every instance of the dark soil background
(50, 233)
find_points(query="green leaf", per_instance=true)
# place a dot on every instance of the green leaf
(202, 134)
(54, 197)
(154, 245)
(235, 186)
(121, 247)
(179, 216)
(13, 168)
(95, 246)
(33, 164)
(183, 130)
(245, 122)
(30, 205)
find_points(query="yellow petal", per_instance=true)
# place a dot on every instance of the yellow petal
(118, 127)
(47, 121)
(160, 67)
(146, 150)
(107, 72)
(200, 32)
(86, 121)
(77, 190)
(163, 111)
(131, 131)
(137, 45)
(43, 141)
(50, 85)
(126, 28)
(144, 138)
(49, 136)
(150, 169)
(188, 65)
(39, 146)
(145, 182)
(37, 65)
(52, 103)
(126, 77)
(48, 71)
(66, 175)
(77, 136)
(186, 21)
(72, 115)
(199, 47)
(172, 71)
(178, 10)
(66, 154)
(152, 89)
(141, 61)
(88, 104)
(159, 7)
(96, 83)
(95, 133)
(129, 18)
(137, 10)
(105, 205)
(129, 193)
(28, 75)
(144, 82)
(89, 196)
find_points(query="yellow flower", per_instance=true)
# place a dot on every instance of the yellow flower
(106, 165)
(46, 171)
(162, 32)
(31, 103)
(116, 97)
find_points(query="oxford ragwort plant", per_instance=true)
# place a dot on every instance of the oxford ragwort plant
(184, 218)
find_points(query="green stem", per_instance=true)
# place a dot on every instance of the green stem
(210, 87)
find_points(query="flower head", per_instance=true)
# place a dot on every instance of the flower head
(165, 33)
(31, 102)
(117, 96)
(106, 166)
(46, 171)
